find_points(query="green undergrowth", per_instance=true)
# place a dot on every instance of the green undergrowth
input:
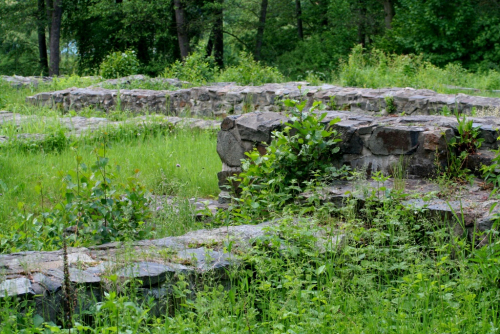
(13, 98)
(376, 69)
(179, 162)
(375, 266)
(394, 273)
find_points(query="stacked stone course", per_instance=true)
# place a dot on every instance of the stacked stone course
(228, 98)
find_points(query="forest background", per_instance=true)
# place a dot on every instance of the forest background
(299, 37)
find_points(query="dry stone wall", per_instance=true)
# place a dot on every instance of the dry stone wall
(374, 143)
(224, 99)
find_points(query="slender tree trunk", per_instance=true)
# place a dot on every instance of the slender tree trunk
(50, 8)
(323, 4)
(42, 43)
(219, 34)
(389, 12)
(260, 30)
(210, 43)
(55, 36)
(362, 23)
(298, 12)
(182, 35)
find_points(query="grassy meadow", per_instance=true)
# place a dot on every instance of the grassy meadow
(397, 270)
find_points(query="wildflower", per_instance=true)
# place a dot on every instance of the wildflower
(177, 165)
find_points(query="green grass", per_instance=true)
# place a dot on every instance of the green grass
(155, 158)
(376, 69)
(381, 281)
(398, 272)
(13, 99)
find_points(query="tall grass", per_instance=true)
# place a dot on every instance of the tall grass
(381, 281)
(182, 163)
(376, 69)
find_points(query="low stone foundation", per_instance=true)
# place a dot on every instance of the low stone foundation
(80, 126)
(376, 143)
(38, 276)
(225, 99)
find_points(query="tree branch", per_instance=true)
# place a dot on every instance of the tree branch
(237, 38)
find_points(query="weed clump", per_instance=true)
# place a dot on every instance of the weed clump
(296, 159)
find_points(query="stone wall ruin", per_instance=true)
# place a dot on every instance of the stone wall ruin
(223, 99)
(374, 143)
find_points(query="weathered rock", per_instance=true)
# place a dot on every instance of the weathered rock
(257, 127)
(149, 273)
(230, 150)
(376, 143)
(227, 98)
(157, 264)
(466, 209)
(16, 287)
(19, 81)
(394, 140)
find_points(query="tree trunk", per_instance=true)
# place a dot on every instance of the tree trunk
(362, 23)
(260, 30)
(298, 12)
(182, 35)
(218, 35)
(42, 43)
(210, 43)
(55, 36)
(323, 5)
(50, 8)
(389, 13)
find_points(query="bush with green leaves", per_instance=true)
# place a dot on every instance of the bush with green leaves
(119, 64)
(491, 173)
(197, 68)
(100, 209)
(378, 69)
(92, 204)
(297, 158)
(460, 148)
(250, 72)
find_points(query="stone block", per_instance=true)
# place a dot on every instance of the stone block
(229, 149)
(394, 140)
(257, 127)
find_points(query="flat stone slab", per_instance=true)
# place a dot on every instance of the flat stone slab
(157, 264)
(19, 81)
(79, 126)
(466, 207)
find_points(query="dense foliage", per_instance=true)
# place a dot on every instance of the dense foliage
(301, 38)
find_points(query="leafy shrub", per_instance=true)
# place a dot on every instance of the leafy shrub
(297, 157)
(197, 68)
(491, 173)
(93, 204)
(52, 142)
(250, 72)
(319, 53)
(460, 148)
(377, 69)
(119, 64)
(101, 209)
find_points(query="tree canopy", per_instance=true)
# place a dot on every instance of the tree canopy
(297, 36)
